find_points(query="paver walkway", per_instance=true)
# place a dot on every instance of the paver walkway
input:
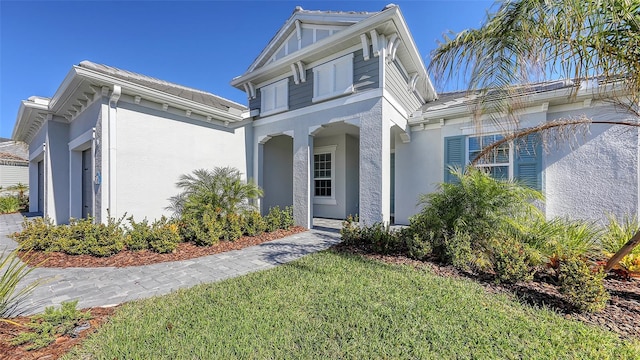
(110, 286)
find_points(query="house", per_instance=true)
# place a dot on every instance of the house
(342, 119)
(14, 166)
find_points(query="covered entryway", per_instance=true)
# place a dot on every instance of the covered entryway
(87, 181)
(277, 172)
(335, 171)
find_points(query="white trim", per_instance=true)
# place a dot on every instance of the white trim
(325, 200)
(274, 86)
(357, 97)
(81, 139)
(365, 46)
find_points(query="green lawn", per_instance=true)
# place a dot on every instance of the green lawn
(329, 305)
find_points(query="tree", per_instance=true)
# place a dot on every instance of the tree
(528, 41)
(20, 188)
(221, 188)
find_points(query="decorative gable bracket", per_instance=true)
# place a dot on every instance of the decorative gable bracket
(250, 90)
(392, 46)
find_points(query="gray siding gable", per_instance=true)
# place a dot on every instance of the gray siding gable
(397, 82)
(365, 76)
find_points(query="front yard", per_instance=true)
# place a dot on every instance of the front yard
(332, 305)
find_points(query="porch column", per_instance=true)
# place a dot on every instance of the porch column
(375, 167)
(302, 199)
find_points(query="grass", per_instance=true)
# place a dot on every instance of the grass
(329, 305)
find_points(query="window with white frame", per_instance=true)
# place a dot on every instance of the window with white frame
(333, 79)
(275, 97)
(498, 163)
(324, 174)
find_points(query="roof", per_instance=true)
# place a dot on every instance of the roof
(449, 100)
(184, 92)
(13, 152)
(324, 17)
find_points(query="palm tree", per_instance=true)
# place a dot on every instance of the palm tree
(527, 41)
(20, 188)
(221, 188)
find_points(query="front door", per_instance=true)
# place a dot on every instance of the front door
(87, 191)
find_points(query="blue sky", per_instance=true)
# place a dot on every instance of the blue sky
(201, 44)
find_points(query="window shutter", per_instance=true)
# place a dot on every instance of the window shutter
(528, 161)
(454, 155)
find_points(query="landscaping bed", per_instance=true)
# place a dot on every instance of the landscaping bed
(184, 251)
(621, 314)
(57, 349)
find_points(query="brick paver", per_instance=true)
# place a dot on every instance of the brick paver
(110, 286)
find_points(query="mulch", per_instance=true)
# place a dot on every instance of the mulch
(621, 315)
(125, 258)
(58, 348)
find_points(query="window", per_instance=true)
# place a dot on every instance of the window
(275, 97)
(324, 175)
(333, 79)
(497, 163)
(520, 160)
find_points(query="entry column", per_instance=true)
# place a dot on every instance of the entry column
(375, 167)
(302, 198)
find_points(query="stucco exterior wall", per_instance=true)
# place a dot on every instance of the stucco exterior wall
(57, 172)
(352, 170)
(154, 148)
(419, 169)
(36, 155)
(594, 175)
(277, 173)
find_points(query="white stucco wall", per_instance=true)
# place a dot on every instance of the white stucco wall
(594, 175)
(57, 172)
(154, 148)
(419, 169)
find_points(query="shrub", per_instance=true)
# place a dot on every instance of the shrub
(582, 287)
(138, 236)
(85, 237)
(165, 236)
(273, 219)
(204, 231)
(232, 227)
(50, 325)
(10, 204)
(382, 238)
(38, 234)
(461, 219)
(286, 219)
(351, 231)
(252, 223)
(417, 246)
(511, 261)
(13, 273)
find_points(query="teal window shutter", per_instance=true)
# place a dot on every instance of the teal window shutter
(528, 163)
(454, 155)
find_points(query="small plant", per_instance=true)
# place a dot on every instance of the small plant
(138, 235)
(582, 286)
(253, 223)
(53, 323)
(86, 237)
(205, 231)
(382, 238)
(616, 235)
(232, 228)
(273, 219)
(165, 236)
(14, 271)
(38, 234)
(511, 261)
(10, 204)
(350, 232)
(286, 219)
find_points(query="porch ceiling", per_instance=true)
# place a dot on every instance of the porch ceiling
(339, 129)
